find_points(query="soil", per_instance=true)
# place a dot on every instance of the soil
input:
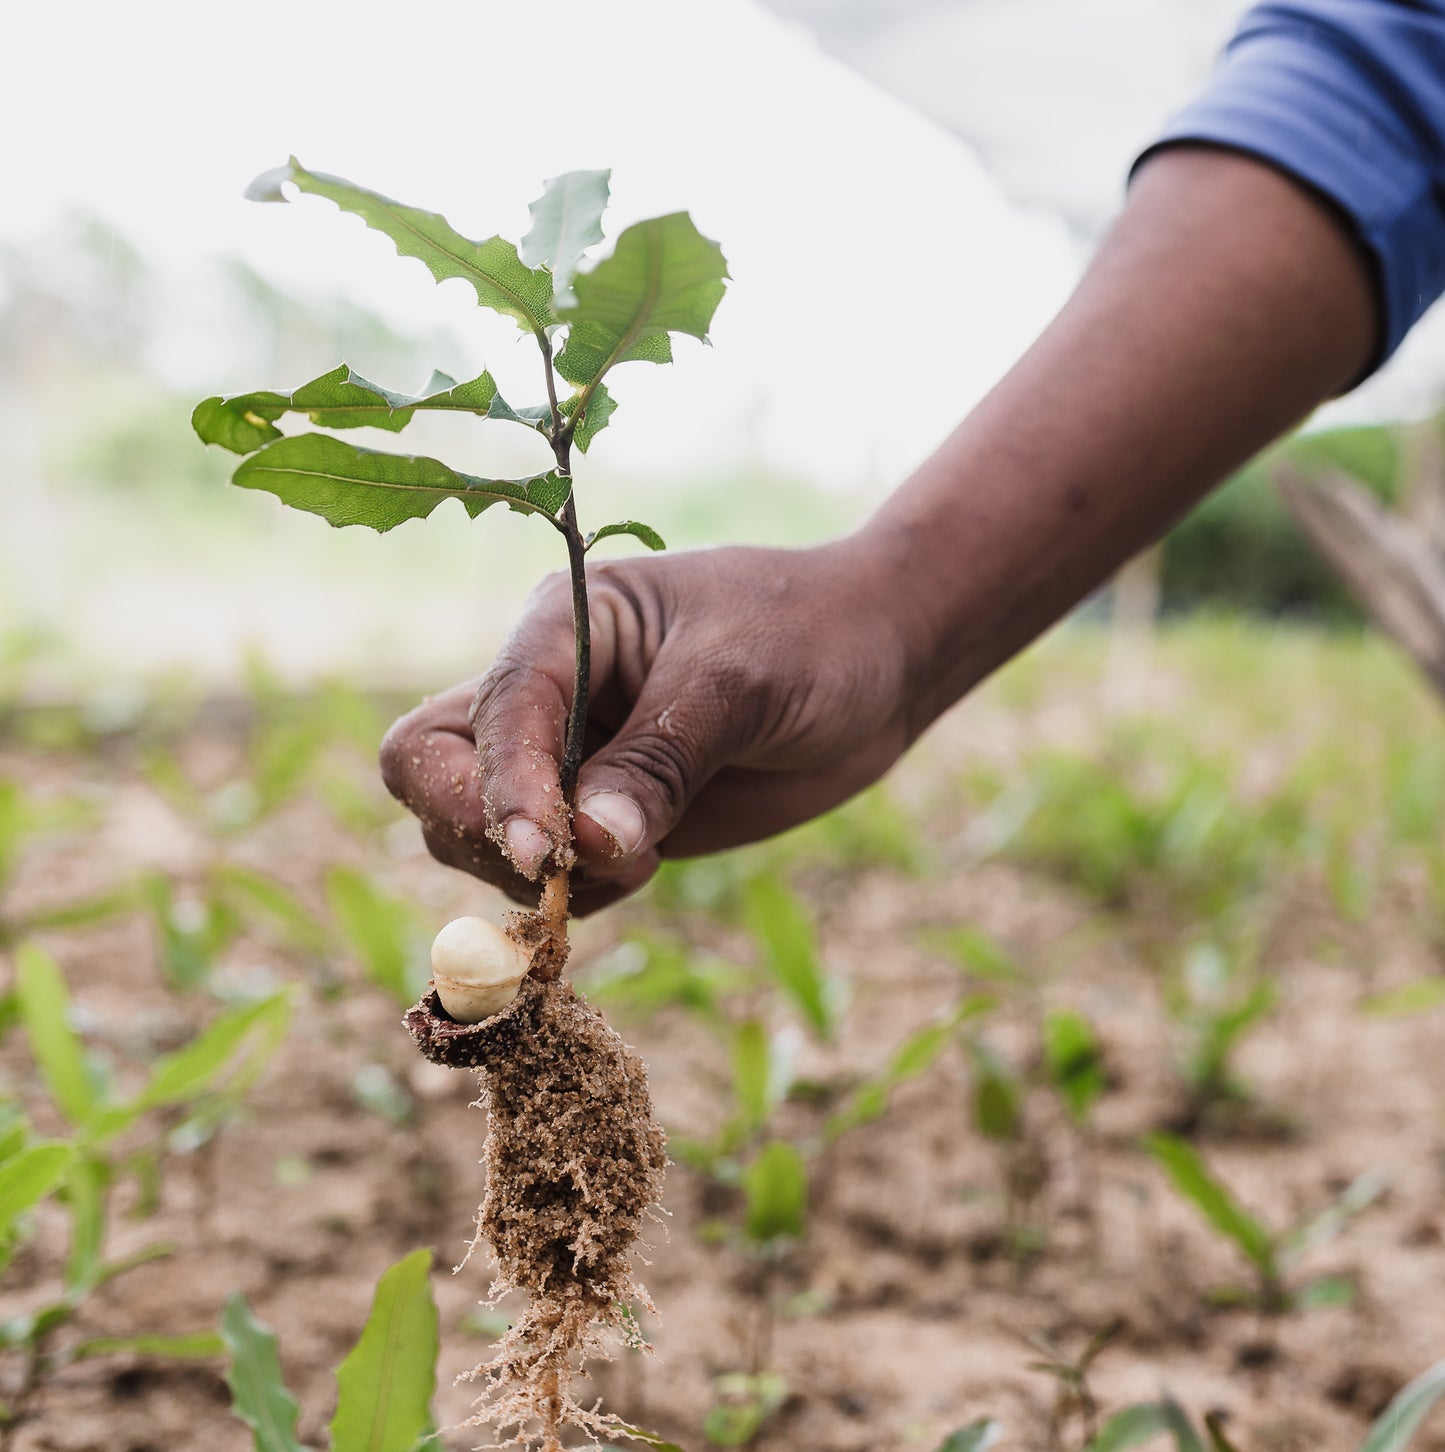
(902, 1315)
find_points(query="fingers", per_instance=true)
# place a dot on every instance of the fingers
(633, 791)
(518, 723)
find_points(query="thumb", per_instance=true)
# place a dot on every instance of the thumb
(636, 788)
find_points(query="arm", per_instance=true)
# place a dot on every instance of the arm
(740, 692)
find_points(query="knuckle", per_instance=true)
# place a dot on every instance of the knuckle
(668, 763)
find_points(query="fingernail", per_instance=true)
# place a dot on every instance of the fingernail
(527, 846)
(619, 816)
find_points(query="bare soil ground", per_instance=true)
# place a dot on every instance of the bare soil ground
(902, 1315)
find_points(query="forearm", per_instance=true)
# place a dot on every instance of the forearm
(1226, 303)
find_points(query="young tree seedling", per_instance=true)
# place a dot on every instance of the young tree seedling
(569, 1108)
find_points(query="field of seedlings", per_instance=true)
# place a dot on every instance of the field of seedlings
(1080, 1087)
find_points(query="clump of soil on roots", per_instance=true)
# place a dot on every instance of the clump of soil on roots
(574, 1162)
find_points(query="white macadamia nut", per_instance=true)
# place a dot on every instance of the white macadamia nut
(477, 969)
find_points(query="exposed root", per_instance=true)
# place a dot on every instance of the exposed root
(574, 1162)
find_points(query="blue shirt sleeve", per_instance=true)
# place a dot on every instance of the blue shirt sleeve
(1348, 96)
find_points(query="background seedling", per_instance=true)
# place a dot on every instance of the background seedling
(185, 1097)
(384, 1386)
(1274, 1256)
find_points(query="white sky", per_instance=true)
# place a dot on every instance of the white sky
(881, 282)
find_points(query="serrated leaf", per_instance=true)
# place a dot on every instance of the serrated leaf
(634, 527)
(775, 1183)
(537, 416)
(1192, 1178)
(346, 485)
(385, 1385)
(1399, 1422)
(600, 408)
(340, 399)
(501, 280)
(663, 277)
(45, 1011)
(976, 1437)
(566, 221)
(29, 1177)
(258, 1393)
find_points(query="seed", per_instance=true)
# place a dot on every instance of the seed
(477, 968)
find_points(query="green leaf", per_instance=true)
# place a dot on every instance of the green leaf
(1415, 997)
(499, 277)
(976, 953)
(663, 277)
(1176, 1421)
(195, 1346)
(255, 894)
(347, 485)
(383, 931)
(752, 1399)
(600, 408)
(648, 1439)
(789, 945)
(998, 1096)
(775, 1183)
(341, 399)
(976, 1437)
(1398, 1423)
(385, 1385)
(1130, 1427)
(566, 221)
(202, 1064)
(914, 1057)
(1074, 1061)
(258, 1393)
(1191, 1177)
(635, 528)
(85, 1196)
(29, 1177)
(45, 1009)
(751, 1075)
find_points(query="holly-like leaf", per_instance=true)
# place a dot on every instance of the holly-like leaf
(663, 277)
(347, 485)
(566, 221)
(634, 527)
(600, 407)
(258, 1393)
(384, 1387)
(341, 399)
(533, 415)
(501, 280)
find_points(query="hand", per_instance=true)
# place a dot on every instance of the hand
(735, 693)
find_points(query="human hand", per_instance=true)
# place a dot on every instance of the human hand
(735, 693)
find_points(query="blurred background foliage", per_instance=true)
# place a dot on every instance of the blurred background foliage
(125, 551)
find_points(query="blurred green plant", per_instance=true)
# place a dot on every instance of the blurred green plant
(1274, 1256)
(185, 1098)
(384, 1387)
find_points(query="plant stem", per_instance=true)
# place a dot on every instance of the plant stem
(560, 437)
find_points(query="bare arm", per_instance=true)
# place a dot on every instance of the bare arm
(740, 692)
